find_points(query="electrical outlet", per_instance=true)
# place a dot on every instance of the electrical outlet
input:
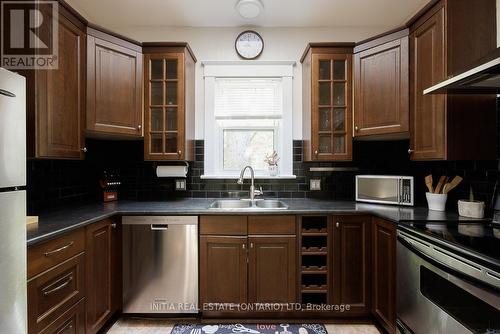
(180, 184)
(315, 184)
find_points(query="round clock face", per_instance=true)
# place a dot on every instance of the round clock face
(249, 44)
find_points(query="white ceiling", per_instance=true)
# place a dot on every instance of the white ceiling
(221, 13)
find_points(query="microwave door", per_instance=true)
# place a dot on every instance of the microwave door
(378, 190)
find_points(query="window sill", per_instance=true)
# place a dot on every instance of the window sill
(257, 177)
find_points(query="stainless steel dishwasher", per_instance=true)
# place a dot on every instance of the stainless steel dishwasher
(160, 264)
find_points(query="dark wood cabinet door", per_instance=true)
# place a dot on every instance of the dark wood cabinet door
(381, 90)
(101, 278)
(60, 98)
(72, 321)
(114, 88)
(331, 111)
(223, 269)
(384, 273)
(272, 270)
(164, 89)
(352, 263)
(428, 67)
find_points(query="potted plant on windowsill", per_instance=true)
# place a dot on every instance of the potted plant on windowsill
(272, 163)
(471, 208)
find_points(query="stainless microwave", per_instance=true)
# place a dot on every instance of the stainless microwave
(384, 189)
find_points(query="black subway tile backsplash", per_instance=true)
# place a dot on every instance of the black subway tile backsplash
(53, 183)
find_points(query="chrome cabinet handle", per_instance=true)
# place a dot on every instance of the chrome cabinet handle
(113, 225)
(139, 127)
(356, 128)
(49, 253)
(84, 150)
(59, 287)
(251, 245)
(243, 246)
(410, 151)
(180, 152)
(337, 224)
(316, 152)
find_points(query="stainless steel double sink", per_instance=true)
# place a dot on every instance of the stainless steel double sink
(259, 204)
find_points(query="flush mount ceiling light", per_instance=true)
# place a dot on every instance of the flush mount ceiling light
(249, 9)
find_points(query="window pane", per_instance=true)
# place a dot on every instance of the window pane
(156, 119)
(157, 69)
(339, 94)
(171, 69)
(324, 93)
(339, 144)
(339, 119)
(172, 93)
(171, 143)
(325, 144)
(247, 147)
(156, 143)
(324, 69)
(339, 70)
(157, 93)
(325, 119)
(171, 119)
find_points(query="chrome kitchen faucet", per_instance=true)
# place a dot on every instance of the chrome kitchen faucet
(253, 192)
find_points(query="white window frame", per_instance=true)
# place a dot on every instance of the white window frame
(282, 70)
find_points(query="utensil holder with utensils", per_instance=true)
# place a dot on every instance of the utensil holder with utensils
(436, 197)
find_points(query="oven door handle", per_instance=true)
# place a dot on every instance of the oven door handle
(451, 263)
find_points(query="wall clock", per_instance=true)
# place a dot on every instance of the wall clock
(249, 44)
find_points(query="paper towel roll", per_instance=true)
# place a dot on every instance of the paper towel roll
(171, 171)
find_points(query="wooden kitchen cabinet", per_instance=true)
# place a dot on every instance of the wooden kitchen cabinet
(168, 101)
(258, 266)
(444, 39)
(272, 269)
(103, 273)
(327, 101)
(352, 263)
(381, 87)
(384, 273)
(223, 269)
(114, 85)
(56, 98)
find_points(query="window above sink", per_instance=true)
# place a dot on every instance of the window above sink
(248, 115)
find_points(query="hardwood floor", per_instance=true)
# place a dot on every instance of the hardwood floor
(140, 326)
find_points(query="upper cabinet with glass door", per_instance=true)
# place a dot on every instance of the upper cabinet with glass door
(169, 101)
(327, 102)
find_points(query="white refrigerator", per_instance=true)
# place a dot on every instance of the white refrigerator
(13, 296)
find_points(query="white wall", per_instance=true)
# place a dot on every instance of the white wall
(279, 44)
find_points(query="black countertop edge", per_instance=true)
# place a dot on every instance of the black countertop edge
(56, 222)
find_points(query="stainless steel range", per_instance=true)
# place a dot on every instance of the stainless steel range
(448, 278)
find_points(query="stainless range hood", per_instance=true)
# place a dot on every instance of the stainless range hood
(481, 78)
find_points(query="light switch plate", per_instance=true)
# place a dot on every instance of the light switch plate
(315, 184)
(180, 184)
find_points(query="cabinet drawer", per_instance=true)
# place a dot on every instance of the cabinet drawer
(54, 291)
(48, 254)
(70, 322)
(271, 225)
(223, 225)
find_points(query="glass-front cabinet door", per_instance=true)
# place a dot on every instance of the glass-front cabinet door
(331, 137)
(164, 102)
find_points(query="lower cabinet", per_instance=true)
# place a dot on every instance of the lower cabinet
(103, 274)
(384, 274)
(223, 269)
(237, 267)
(352, 263)
(272, 269)
(74, 281)
(71, 321)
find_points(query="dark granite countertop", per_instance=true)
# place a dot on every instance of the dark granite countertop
(56, 222)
